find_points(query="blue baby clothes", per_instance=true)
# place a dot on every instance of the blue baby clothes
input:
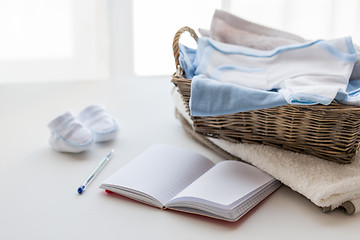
(352, 94)
(232, 29)
(308, 73)
(212, 97)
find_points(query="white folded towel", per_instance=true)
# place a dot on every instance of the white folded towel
(328, 185)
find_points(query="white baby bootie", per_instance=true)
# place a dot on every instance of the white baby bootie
(103, 125)
(68, 134)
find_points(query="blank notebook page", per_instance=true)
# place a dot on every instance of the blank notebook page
(226, 182)
(161, 171)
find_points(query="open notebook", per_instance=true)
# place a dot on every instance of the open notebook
(169, 177)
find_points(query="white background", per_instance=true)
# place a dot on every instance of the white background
(62, 40)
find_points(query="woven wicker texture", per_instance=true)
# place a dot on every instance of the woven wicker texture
(329, 132)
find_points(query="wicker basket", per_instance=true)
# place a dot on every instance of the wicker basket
(329, 132)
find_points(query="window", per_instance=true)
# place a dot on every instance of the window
(155, 24)
(53, 40)
(311, 19)
(66, 40)
(154, 27)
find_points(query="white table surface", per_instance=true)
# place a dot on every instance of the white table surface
(38, 198)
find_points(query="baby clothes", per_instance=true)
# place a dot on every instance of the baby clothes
(68, 134)
(210, 97)
(103, 125)
(308, 73)
(352, 94)
(74, 134)
(231, 29)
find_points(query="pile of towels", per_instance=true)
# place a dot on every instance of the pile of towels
(237, 61)
(241, 66)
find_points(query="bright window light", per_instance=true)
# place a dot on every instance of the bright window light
(57, 40)
(311, 19)
(36, 29)
(155, 24)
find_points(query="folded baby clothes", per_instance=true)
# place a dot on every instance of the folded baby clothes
(102, 124)
(328, 185)
(231, 29)
(355, 75)
(68, 134)
(352, 94)
(211, 97)
(309, 73)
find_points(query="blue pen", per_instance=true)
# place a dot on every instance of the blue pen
(95, 172)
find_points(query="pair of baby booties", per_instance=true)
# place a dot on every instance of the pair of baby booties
(74, 134)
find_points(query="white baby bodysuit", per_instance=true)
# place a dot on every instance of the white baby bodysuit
(309, 73)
